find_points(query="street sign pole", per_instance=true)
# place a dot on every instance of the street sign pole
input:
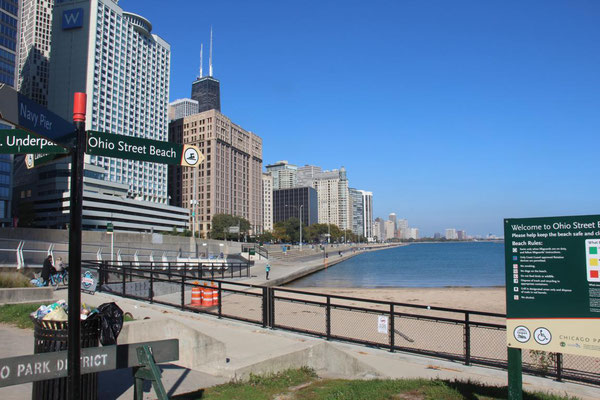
(76, 206)
(515, 374)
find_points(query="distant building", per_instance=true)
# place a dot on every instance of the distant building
(451, 234)
(402, 229)
(284, 175)
(389, 228)
(437, 235)
(9, 13)
(182, 108)
(461, 235)
(298, 203)
(368, 214)
(378, 230)
(358, 212)
(335, 206)
(229, 181)
(306, 175)
(207, 92)
(413, 233)
(267, 180)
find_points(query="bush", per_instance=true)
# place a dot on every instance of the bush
(14, 280)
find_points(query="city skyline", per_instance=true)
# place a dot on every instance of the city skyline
(452, 114)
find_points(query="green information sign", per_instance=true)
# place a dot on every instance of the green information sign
(553, 284)
(134, 148)
(19, 141)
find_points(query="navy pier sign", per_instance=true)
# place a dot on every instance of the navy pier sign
(42, 366)
(27, 114)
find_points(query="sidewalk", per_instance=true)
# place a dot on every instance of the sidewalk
(250, 348)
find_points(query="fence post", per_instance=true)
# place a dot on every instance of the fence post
(392, 329)
(151, 284)
(467, 349)
(220, 304)
(265, 306)
(182, 293)
(272, 307)
(328, 318)
(124, 279)
(559, 366)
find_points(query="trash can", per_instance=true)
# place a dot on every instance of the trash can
(52, 336)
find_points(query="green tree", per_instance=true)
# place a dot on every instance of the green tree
(265, 237)
(221, 224)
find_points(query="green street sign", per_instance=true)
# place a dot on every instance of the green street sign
(19, 141)
(553, 284)
(134, 148)
(109, 228)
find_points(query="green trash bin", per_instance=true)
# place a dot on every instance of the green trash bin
(52, 336)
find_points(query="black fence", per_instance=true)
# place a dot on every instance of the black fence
(470, 337)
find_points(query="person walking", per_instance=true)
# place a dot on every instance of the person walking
(267, 270)
(47, 269)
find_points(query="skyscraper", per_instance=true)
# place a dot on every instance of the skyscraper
(8, 44)
(34, 49)
(114, 57)
(358, 212)
(367, 214)
(267, 180)
(206, 90)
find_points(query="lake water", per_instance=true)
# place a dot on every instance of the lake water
(476, 264)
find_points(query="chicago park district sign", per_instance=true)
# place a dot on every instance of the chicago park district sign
(553, 284)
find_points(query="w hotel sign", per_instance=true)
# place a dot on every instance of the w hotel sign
(72, 18)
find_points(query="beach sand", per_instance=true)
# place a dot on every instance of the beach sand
(467, 298)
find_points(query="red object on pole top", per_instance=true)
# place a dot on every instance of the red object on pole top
(79, 101)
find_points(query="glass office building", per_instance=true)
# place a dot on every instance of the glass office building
(288, 202)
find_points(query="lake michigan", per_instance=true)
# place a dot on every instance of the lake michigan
(474, 264)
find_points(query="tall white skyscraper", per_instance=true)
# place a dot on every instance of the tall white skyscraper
(451, 234)
(112, 55)
(368, 214)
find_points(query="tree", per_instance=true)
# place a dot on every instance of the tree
(221, 224)
(265, 237)
(288, 231)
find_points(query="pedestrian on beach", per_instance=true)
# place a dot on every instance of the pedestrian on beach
(267, 270)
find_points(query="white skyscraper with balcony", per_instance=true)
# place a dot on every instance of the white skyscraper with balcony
(112, 55)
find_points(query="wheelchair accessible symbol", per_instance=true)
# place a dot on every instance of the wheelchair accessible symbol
(542, 336)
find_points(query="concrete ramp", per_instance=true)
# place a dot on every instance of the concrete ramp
(195, 348)
(324, 358)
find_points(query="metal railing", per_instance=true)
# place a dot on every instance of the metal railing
(470, 337)
(260, 250)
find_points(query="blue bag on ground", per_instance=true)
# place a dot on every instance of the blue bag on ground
(111, 322)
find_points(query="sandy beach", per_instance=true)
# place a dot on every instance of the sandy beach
(477, 299)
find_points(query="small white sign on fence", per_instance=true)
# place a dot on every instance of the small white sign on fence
(382, 324)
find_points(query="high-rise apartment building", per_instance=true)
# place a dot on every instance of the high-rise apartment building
(229, 181)
(284, 175)
(182, 108)
(451, 234)
(335, 206)
(389, 228)
(9, 14)
(306, 174)
(267, 181)
(378, 230)
(33, 64)
(113, 56)
(402, 231)
(367, 214)
(358, 209)
(461, 235)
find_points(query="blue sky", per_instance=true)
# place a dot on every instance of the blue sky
(453, 113)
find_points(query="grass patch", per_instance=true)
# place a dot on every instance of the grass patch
(14, 280)
(304, 384)
(18, 314)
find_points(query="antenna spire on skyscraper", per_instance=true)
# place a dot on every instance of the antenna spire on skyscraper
(210, 69)
(200, 60)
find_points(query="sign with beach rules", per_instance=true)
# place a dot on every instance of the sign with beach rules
(553, 284)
